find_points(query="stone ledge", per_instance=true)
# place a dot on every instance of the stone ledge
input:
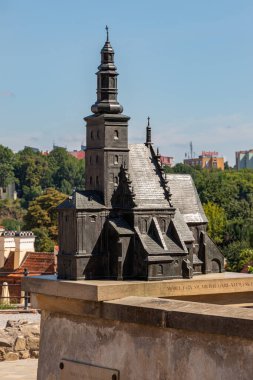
(203, 318)
(102, 290)
(199, 317)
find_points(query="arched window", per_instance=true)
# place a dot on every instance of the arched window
(90, 180)
(116, 135)
(144, 225)
(97, 180)
(91, 135)
(163, 225)
(159, 269)
(116, 159)
(116, 180)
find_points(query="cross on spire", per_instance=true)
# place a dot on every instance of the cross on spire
(107, 33)
(148, 120)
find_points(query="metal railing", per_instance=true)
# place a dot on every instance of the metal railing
(6, 289)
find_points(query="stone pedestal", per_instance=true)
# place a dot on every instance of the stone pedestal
(123, 330)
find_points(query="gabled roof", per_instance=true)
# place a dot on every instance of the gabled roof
(145, 177)
(185, 198)
(182, 228)
(82, 200)
(121, 226)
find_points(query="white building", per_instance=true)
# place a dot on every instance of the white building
(18, 242)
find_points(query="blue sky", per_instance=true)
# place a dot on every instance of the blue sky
(187, 64)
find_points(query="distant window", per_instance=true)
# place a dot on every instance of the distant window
(97, 180)
(116, 135)
(98, 136)
(93, 218)
(116, 180)
(96, 159)
(91, 135)
(90, 180)
(159, 269)
(116, 159)
(90, 159)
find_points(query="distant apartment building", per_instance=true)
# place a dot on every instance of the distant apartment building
(207, 160)
(168, 161)
(244, 159)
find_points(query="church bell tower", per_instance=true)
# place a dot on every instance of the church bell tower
(107, 131)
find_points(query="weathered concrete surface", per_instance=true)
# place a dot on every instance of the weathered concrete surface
(143, 337)
(141, 351)
(157, 312)
(220, 283)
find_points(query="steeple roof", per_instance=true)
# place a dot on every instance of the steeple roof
(107, 82)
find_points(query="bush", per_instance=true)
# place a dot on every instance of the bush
(43, 243)
(236, 254)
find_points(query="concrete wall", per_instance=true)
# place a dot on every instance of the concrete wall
(141, 352)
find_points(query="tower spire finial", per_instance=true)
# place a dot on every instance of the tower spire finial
(107, 33)
(107, 82)
(148, 133)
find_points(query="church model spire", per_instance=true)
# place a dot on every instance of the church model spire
(148, 133)
(107, 131)
(107, 82)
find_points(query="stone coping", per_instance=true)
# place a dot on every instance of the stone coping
(204, 318)
(156, 312)
(105, 290)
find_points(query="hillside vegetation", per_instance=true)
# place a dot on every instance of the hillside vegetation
(42, 182)
(227, 198)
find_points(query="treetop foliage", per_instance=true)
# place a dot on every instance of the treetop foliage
(227, 198)
(42, 182)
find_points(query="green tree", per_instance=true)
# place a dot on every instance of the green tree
(43, 243)
(33, 174)
(232, 254)
(7, 159)
(67, 171)
(10, 209)
(42, 212)
(12, 224)
(216, 221)
(245, 257)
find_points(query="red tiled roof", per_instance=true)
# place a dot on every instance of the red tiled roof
(38, 262)
(35, 262)
(78, 154)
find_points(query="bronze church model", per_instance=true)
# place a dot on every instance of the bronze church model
(132, 221)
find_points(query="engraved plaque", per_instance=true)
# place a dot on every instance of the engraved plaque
(71, 370)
